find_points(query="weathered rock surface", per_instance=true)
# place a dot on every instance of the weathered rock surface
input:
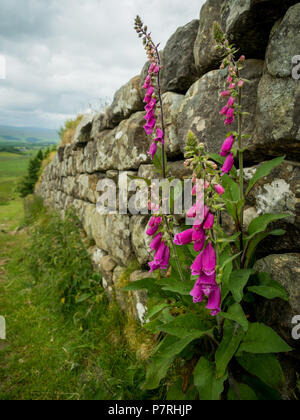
(140, 241)
(83, 130)
(176, 169)
(278, 106)
(126, 102)
(207, 58)
(199, 111)
(285, 269)
(179, 71)
(278, 193)
(140, 297)
(277, 118)
(284, 44)
(112, 234)
(248, 23)
(171, 106)
(123, 148)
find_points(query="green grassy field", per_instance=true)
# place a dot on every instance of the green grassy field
(12, 168)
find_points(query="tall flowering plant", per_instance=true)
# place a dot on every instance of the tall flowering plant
(224, 352)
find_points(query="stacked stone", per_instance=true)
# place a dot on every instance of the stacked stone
(268, 34)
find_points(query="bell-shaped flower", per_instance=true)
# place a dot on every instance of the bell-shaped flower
(228, 165)
(155, 244)
(184, 238)
(209, 222)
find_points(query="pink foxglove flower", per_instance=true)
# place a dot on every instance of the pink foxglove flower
(209, 222)
(224, 110)
(219, 189)
(240, 83)
(153, 266)
(161, 258)
(214, 301)
(154, 225)
(166, 259)
(151, 105)
(229, 121)
(230, 113)
(227, 146)
(231, 102)
(155, 244)
(160, 136)
(226, 93)
(206, 286)
(153, 150)
(228, 165)
(205, 263)
(184, 238)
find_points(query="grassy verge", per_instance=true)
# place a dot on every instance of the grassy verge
(64, 339)
(12, 167)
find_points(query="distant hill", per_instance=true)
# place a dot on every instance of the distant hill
(23, 136)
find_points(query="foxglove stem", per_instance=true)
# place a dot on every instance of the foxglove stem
(241, 165)
(164, 170)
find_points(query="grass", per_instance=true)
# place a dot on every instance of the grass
(65, 341)
(68, 131)
(59, 348)
(13, 165)
(12, 168)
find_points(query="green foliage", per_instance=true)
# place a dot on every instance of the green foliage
(26, 186)
(241, 392)
(232, 336)
(58, 253)
(53, 351)
(261, 339)
(209, 386)
(263, 171)
(265, 366)
(269, 288)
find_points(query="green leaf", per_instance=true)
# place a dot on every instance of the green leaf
(164, 356)
(184, 325)
(153, 326)
(83, 298)
(268, 288)
(158, 160)
(263, 171)
(236, 313)
(261, 339)
(144, 284)
(156, 309)
(265, 366)
(232, 338)
(229, 260)
(176, 286)
(237, 283)
(229, 239)
(232, 190)
(241, 392)
(210, 388)
(260, 224)
(253, 244)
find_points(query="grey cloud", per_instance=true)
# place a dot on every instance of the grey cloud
(63, 55)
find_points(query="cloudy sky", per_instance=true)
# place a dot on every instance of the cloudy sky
(64, 55)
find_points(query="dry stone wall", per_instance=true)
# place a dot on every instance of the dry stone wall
(268, 33)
